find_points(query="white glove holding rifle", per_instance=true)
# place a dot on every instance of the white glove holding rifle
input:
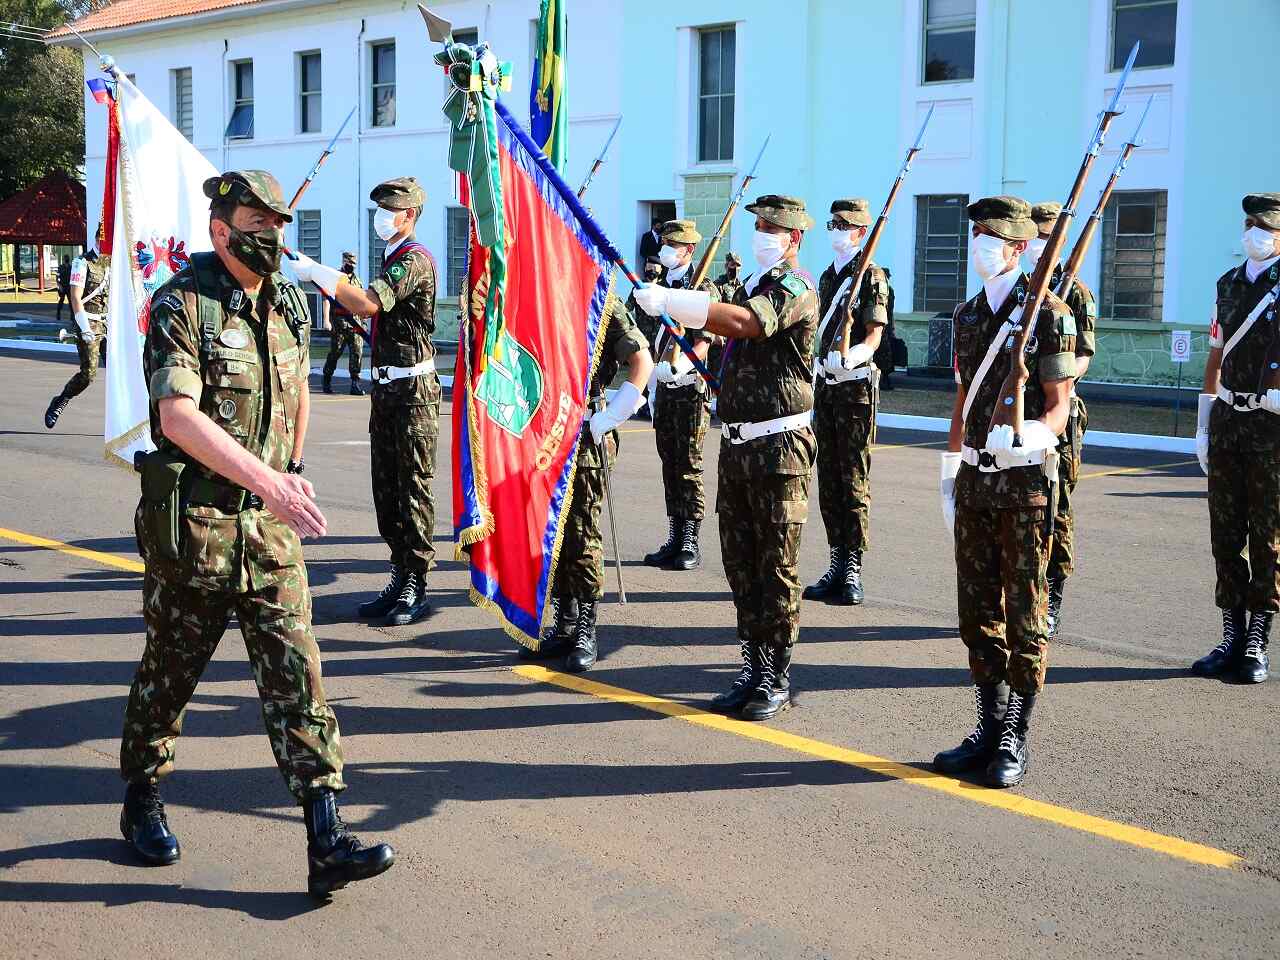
(1036, 435)
(670, 371)
(86, 331)
(1205, 405)
(689, 308)
(858, 354)
(626, 401)
(1271, 401)
(950, 467)
(307, 270)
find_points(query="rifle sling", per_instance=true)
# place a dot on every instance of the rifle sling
(1267, 299)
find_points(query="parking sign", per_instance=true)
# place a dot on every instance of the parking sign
(1180, 348)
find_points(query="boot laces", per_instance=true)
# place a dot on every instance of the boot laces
(688, 542)
(1256, 643)
(852, 568)
(393, 585)
(671, 534)
(743, 679)
(582, 627)
(768, 672)
(977, 735)
(1230, 629)
(149, 804)
(1009, 738)
(833, 571)
(409, 592)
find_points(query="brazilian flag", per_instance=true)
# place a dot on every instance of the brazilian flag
(548, 113)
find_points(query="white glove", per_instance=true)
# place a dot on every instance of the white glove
(1035, 436)
(681, 365)
(1205, 404)
(859, 354)
(82, 321)
(664, 372)
(652, 299)
(624, 403)
(1271, 401)
(834, 362)
(88, 337)
(306, 269)
(950, 467)
(689, 308)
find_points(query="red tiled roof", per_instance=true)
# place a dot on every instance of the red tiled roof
(51, 211)
(126, 13)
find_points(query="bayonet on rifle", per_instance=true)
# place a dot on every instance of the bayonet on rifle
(599, 161)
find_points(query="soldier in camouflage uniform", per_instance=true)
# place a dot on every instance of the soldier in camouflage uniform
(1084, 307)
(844, 412)
(404, 421)
(579, 579)
(767, 445)
(730, 282)
(997, 497)
(219, 521)
(342, 333)
(1238, 444)
(89, 289)
(681, 411)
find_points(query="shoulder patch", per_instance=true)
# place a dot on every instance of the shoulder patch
(795, 284)
(396, 272)
(1067, 323)
(170, 301)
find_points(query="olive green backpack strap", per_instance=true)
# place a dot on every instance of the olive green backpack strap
(210, 310)
(296, 313)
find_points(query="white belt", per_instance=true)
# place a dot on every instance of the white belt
(385, 375)
(684, 380)
(986, 462)
(737, 433)
(863, 372)
(1244, 402)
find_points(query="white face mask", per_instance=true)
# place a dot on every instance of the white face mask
(670, 257)
(768, 248)
(384, 223)
(1259, 244)
(986, 255)
(844, 244)
(1034, 249)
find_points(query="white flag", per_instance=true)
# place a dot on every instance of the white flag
(161, 218)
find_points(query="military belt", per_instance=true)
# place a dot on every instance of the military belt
(1243, 402)
(864, 372)
(685, 380)
(226, 497)
(986, 461)
(385, 375)
(737, 433)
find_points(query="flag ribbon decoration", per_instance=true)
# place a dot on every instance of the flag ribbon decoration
(103, 94)
(548, 113)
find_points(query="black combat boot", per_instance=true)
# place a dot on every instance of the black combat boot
(412, 605)
(772, 694)
(558, 634)
(831, 580)
(56, 406)
(977, 749)
(145, 827)
(327, 385)
(662, 556)
(851, 582)
(384, 602)
(1253, 662)
(1226, 655)
(583, 655)
(1056, 585)
(689, 554)
(334, 856)
(1009, 765)
(744, 684)
(356, 390)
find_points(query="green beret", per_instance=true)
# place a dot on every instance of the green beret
(680, 231)
(402, 193)
(1265, 208)
(856, 212)
(1009, 218)
(249, 188)
(1045, 215)
(787, 212)
(732, 259)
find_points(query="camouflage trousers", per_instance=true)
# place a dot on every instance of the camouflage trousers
(184, 625)
(402, 460)
(1244, 515)
(1003, 598)
(91, 355)
(761, 516)
(845, 432)
(1062, 553)
(680, 425)
(343, 337)
(580, 569)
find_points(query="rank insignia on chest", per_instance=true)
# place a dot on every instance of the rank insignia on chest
(227, 409)
(237, 301)
(233, 338)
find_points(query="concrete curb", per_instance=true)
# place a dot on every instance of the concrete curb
(37, 346)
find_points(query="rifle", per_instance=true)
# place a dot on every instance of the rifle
(1009, 407)
(877, 231)
(599, 161)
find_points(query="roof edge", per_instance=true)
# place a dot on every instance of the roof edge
(62, 36)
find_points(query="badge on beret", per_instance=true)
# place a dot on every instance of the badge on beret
(235, 339)
(227, 409)
(224, 188)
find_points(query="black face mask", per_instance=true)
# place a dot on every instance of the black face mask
(91, 255)
(348, 268)
(259, 251)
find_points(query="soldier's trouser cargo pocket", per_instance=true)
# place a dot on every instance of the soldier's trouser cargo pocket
(160, 511)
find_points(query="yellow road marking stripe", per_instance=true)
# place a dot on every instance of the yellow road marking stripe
(890, 769)
(1144, 469)
(108, 559)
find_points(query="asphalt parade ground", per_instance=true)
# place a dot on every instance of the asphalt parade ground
(541, 815)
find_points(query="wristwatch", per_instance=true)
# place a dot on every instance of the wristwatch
(296, 466)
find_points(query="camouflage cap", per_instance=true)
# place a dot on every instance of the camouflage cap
(680, 231)
(348, 255)
(1045, 215)
(856, 212)
(249, 188)
(732, 259)
(1009, 218)
(1265, 208)
(788, 212)
(402, 193)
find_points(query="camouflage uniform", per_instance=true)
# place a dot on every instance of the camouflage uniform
(97, 281)
(343, 336)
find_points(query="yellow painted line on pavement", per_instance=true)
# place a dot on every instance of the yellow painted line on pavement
(107, 559)
(892, 770)
(1144, 469)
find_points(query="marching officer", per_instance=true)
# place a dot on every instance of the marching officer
(89, 288)
(997, 498)
(1239, 448)
(844, 413)
(1084, 308)
(404, 421)
(681, 411)
(342, 332)
(219, 522)
(767, 445)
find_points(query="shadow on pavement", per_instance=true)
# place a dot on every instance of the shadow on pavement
(259, 904)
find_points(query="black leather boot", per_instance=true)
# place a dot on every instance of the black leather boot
(1226, 655)
(831, 580)
(334, 856)
(583, 655)
(412, 605)
(1009, 765)
(772, 694)
(356, 390)
(662, 556)
(977, 749)
(688, 556)
(1056, 585)
(384, 602)
(851, 582)
(145, 827)
(744, 684)
(327, 385)
(558, 634)
(1253, 661)
(56, 406)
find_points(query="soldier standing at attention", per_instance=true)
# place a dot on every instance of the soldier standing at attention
(579, 579)
(405, 417)
(1239, 448)
(681, 411)
(1084, 308)
(997, 498)
(342, 334)
(844, 412)
(767, 445)
(219, 521)
(89, 287)
(729, 282)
